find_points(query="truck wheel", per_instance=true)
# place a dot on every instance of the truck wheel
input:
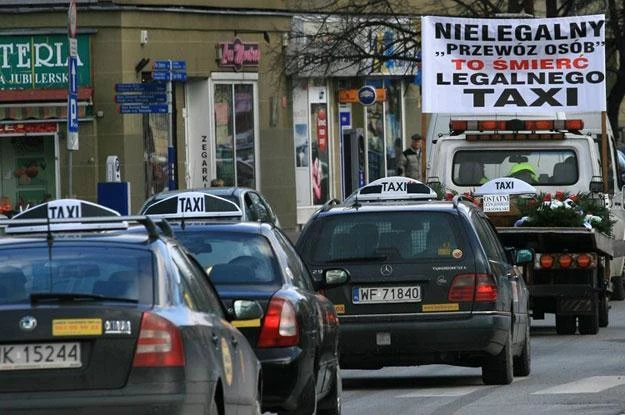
(523, 362)
(604, 311)
(618, 290)
(565, 324)
(590, 324)
(498, 370)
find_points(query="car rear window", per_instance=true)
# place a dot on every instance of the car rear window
(233, 258)
(393, 236)
(107, 271)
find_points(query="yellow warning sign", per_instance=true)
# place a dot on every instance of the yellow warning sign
(77, 327)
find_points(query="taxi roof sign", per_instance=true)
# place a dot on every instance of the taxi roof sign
(190, 205)
(395, 188)
(505, 186)
(64, 214)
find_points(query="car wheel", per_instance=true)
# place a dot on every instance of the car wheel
(523, 362)
(565, 324)
(618, 290)
(307, 403)
(498, 370)
(590, 324)
(331, 403)
(257, 409)
(604, 311)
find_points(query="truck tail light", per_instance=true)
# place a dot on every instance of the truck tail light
(584, 260)
(280, 327)
(159, 344)
(467, 287)
(565, 261)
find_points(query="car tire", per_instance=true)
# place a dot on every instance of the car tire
(565, 324)
(589, 324)
(498, 370)
(618, 290)
(331, 404)
(307, 402)
(604, 311)
(523, 362)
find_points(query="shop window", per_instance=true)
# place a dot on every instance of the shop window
(234, 106)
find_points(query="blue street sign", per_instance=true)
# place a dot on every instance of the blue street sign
(169, 76)
(143, 108)
(141, 98)
(72, 112)
(73, 74)
(143, 87)
(170, 66)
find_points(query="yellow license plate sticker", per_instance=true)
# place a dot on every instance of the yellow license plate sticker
(246, 323)
(77, 327)
(429, 308)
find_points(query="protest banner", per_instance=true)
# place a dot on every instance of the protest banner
(513, 66)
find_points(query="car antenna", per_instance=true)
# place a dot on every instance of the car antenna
(49, 236)
(49, 240)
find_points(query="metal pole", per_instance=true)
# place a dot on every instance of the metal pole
(69, 174)
(604, 153)
(171, 153)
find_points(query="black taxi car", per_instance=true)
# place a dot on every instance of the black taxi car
(297, 339)
(96, 319)
(253, 205)
(430, 281)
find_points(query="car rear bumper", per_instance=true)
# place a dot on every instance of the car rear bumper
(421, 341)
(286, 371)
(195, 400)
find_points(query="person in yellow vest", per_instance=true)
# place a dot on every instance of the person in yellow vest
(524, 171)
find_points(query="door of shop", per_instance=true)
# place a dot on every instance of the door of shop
(28, 173)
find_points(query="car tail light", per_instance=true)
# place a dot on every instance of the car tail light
(466, 287)
(546, 261)
(565, 261)
(159, 344)
(280, 327)
(584, 260)
(486, 289)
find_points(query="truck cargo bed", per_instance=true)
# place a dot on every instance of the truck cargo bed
(561, 240)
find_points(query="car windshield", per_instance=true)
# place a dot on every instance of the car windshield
(537, 167)
(106, 272)
(392, 236)
(233, 258)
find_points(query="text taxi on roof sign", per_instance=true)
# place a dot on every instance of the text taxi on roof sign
(193, 205)
(67, 215)
(393, 188)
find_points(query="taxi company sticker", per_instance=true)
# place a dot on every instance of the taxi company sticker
(456, 253)
(77, 327)
(246, 323)
(428, 308)
(227, 359)
(339, 308)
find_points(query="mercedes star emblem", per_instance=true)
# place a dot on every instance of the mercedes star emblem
(386, 270)
(28, 323)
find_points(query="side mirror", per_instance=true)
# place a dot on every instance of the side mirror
(246, 310)
(334, 278)
(524, 256)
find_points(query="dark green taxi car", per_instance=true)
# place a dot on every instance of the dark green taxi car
(430, 282)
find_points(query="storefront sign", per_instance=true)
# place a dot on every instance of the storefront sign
(237, 54)
(40, 61)
(322, 129)
(48, 127)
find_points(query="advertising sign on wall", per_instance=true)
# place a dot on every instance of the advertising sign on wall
(40, 61)
(519, 66)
